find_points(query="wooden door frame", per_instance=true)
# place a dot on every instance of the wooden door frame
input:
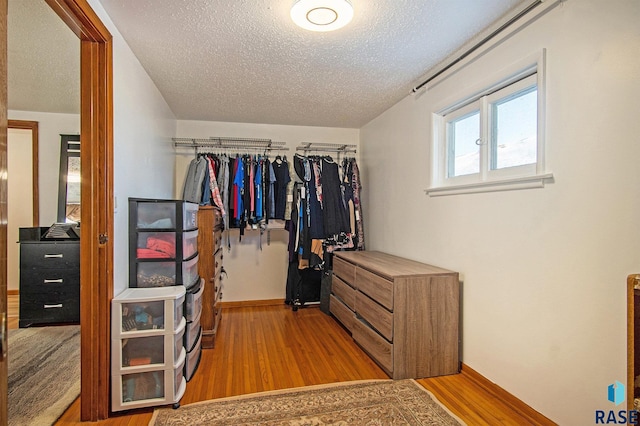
(3, 213)
(633, 280)
(96, 245)
(33, 126)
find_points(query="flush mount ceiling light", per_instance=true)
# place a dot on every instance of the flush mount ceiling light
(322, 15)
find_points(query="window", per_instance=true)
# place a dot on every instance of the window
(513, 133)
(463, 133)
(493, 140)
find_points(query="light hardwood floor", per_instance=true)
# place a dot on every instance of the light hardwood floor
(13, 310)
(271, 347)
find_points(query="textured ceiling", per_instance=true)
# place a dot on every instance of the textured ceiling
(245, 60)
(43, 60)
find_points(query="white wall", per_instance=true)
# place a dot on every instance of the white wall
(20, 197)
(143, 151)
(544, 270)
(254, 274)
(50, 127)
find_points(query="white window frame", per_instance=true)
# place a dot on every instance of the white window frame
(512, 79)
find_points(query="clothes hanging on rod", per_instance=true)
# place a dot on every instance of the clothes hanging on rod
(353, 179)
(326, 216)
(249, 189)
(354, 239)
(327, 213)
(193, 184)
(334, 211)
(282, 179)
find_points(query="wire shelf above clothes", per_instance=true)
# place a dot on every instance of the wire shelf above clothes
(230, 143)
(326, 147)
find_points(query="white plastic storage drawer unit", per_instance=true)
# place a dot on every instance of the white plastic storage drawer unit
(163, 243)
(154, 273)
(193, 306)
(164, 214)
(147, 347)
(167, 244)
(192, 334)
(193, 359)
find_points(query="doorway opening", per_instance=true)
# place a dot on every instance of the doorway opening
(22, 191)
(96, 128)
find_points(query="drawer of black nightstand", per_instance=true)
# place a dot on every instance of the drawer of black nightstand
(49, 256)
(49, 280)
(56, 307)
(51, 293)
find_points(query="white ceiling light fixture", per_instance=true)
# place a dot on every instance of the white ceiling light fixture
(322, 15)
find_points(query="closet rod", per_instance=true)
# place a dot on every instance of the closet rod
(479, 44)
(240, 147)
(231, 143)
(326, 147)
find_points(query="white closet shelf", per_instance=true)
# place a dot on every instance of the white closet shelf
(326, 147)
(231, 143)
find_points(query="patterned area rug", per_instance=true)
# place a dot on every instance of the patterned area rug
(377, 402)
(44, 373)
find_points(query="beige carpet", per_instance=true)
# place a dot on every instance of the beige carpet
(376, 402)
(44, 373)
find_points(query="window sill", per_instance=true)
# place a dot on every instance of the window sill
(527, 182)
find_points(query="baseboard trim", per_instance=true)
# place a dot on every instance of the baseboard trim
(503, 395)
(13, 292)
(251, 303)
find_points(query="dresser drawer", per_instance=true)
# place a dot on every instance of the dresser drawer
(344, 270)
(217, 240)
(218, 263)
(378, 348)
(48, 308)
(376, 315)
(376, 287)
(217, 219)
(51, 295)
(50, 256)
(344, 291)
(341, 312)
(49, 280)
(217, 288)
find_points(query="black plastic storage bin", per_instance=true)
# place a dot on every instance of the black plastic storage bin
(163, 238)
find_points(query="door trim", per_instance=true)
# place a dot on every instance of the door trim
(3, 211)
(96, 157)
(633, 280)
(33, 126)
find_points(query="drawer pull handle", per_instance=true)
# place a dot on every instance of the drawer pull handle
(59, 281)
(50, 256)
(59, 305)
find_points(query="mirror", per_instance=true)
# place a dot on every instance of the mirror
(69, 186)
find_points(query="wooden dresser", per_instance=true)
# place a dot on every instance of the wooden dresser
(403, 313)
(210, 269)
